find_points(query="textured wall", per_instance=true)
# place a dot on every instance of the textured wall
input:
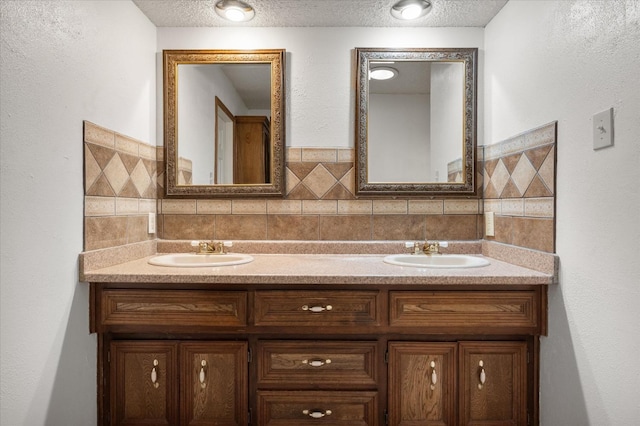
(565, 61)
(61, 62)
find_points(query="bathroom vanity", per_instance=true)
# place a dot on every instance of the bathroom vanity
(339, 339)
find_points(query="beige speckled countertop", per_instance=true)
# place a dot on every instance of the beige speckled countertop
(321, 264)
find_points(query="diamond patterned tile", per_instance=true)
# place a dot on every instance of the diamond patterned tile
(319, 181)
(116, 173)
(141, 178)
(91, 169)
(291, 180)
(500, 177)
(337, 192)
(338, 170)
(101, 187)
(523, 174)
(101, 154)
(511, 161)
(301, 170)
(547, 170)
(538, 155)
(537, 189)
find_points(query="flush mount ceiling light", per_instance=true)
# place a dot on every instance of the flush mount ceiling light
(234, 10)
(383, 73)
(410, 9)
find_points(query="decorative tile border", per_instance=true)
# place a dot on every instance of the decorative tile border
(124, 182)
(519, 187)
(120, 184)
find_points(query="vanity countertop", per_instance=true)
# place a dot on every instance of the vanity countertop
(319, 269)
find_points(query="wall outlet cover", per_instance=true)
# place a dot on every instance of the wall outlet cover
(489, 224)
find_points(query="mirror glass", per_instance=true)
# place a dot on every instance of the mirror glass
(224, 128)
(416, 129)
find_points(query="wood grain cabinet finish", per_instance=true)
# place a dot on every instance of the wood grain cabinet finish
(493, 382)
(201, 354)
(482, 311)
(123, 307)
(422, 383)
(337, 408)
(317, 364)
(144, 383)
(146, 389)
(316, 308)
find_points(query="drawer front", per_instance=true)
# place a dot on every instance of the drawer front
(317, 364)
(485, 311)
(316, 308)
(173, 307)
(327, 408)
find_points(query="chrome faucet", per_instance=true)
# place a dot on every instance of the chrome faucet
(211, 247)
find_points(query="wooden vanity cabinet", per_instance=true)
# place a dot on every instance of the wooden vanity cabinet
(374, 355)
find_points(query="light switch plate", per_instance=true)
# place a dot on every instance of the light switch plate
(603, 129)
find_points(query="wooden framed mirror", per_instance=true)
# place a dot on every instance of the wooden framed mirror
(224, 124)
(416, 130)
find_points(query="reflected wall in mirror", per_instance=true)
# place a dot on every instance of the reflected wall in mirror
(416, 129)
(224, 122)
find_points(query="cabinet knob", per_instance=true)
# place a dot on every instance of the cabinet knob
(316, 362)
(316, 413)
(202, 376)
(483, 376)
(317, 308)
(154, 374)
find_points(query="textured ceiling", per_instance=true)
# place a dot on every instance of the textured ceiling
(320, 13)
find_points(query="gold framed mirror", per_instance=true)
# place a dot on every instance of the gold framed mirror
(224, 130)
(416, 128)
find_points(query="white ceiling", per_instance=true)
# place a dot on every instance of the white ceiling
(320, 13)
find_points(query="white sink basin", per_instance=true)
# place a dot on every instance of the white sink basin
(436, 261)
(192, 260)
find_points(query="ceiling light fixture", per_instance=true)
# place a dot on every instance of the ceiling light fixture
(235, 10)
(410, 9)
(383, 73)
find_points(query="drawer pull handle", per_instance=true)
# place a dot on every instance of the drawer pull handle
(316, 414)
(202, 376)
(154, 374)
(316, 362)
(483, 375)
(317, 308)
(434, 375)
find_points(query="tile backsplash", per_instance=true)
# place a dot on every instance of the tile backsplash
(519, 187)
(124, 182)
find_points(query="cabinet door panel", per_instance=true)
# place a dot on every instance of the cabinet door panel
(214, 383)
(493, 383)
(422, 383)
(144, 383)
(326, 408)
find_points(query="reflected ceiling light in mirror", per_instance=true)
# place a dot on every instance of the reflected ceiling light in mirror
(410, 9)
(382, 73)
(234, 10)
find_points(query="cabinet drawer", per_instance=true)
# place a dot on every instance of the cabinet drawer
(508, 310)
(317, 364)
(327, 408)
(173, 307)
(316, 308)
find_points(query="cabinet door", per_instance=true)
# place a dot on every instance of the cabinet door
(493, 383)
(422, 383)
(144, 383)
(214, 383)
